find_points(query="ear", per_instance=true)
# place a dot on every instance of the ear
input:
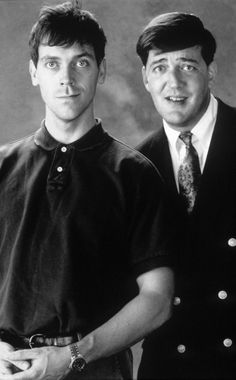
(145, 79)
(212, 71)
(102, 71)
(33, 73)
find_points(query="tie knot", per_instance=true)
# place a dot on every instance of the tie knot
(186, 137)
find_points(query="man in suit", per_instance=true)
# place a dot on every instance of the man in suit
(195, 152)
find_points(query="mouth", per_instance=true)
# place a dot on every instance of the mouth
(176, 99)
(67, 96)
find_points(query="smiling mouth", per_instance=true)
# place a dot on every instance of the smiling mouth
(176, 99)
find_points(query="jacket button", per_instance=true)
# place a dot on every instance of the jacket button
(177, 301)
(232, 242)
(222, 294)
(227, 342)
(181, 348)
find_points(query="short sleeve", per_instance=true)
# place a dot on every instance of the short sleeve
(151, 234)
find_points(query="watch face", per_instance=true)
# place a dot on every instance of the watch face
(78, 364)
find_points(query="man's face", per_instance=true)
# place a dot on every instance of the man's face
(67, 77)
(179, 82)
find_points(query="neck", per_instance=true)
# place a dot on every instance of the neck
(68, 132)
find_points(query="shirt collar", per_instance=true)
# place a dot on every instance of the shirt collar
(95, 136)
(203, 129)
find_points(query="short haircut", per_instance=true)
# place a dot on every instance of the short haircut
(176, 31)
(64, 25)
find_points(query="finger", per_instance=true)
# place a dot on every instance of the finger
(21, 364)
(20, 355)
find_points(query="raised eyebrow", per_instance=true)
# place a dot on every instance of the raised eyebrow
(192, 60)
(161, 60)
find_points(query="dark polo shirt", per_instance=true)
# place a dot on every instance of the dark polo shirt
(77, 223)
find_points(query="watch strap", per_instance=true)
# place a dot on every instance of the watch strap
(74, 351)
(78, 363)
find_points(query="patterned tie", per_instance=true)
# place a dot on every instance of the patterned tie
(189, 172)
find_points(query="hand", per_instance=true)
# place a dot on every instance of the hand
(46, 363)
(10, 367)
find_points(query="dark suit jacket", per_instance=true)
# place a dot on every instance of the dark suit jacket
(196, 342)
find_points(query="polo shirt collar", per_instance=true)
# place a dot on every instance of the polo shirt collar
(95, 136)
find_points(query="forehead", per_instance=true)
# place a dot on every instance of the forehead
(65, 52)
(191, 53)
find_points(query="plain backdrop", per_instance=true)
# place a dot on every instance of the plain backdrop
(122, 102)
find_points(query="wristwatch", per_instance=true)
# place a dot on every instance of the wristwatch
(78, 363)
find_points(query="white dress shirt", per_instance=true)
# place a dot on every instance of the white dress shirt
(201, 138)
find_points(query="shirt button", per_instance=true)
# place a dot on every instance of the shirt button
(177, 301)
(181, 348)
(232, 242)
(222, 294)
(63, 149)
(59, 169)
(227, 342)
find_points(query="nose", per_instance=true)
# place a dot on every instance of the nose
(67, 78)
(174, 78)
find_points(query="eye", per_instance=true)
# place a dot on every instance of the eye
(82, 63)
(51, 64)
(159, 68)
(188, 68)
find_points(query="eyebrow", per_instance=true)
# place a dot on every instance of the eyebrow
(78, 56)
(182, 59)
(186, 59)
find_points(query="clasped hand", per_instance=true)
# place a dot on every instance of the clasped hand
(33, 364)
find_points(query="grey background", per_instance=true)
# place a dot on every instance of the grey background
(122, 102)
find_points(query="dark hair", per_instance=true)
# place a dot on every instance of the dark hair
(176, 31)
(64, 25)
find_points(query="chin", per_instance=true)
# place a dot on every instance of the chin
(68, 117)
(175, 121)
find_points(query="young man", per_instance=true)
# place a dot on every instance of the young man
(84, 252)
(194, 151)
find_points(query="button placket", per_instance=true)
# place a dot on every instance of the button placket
(58, 172)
